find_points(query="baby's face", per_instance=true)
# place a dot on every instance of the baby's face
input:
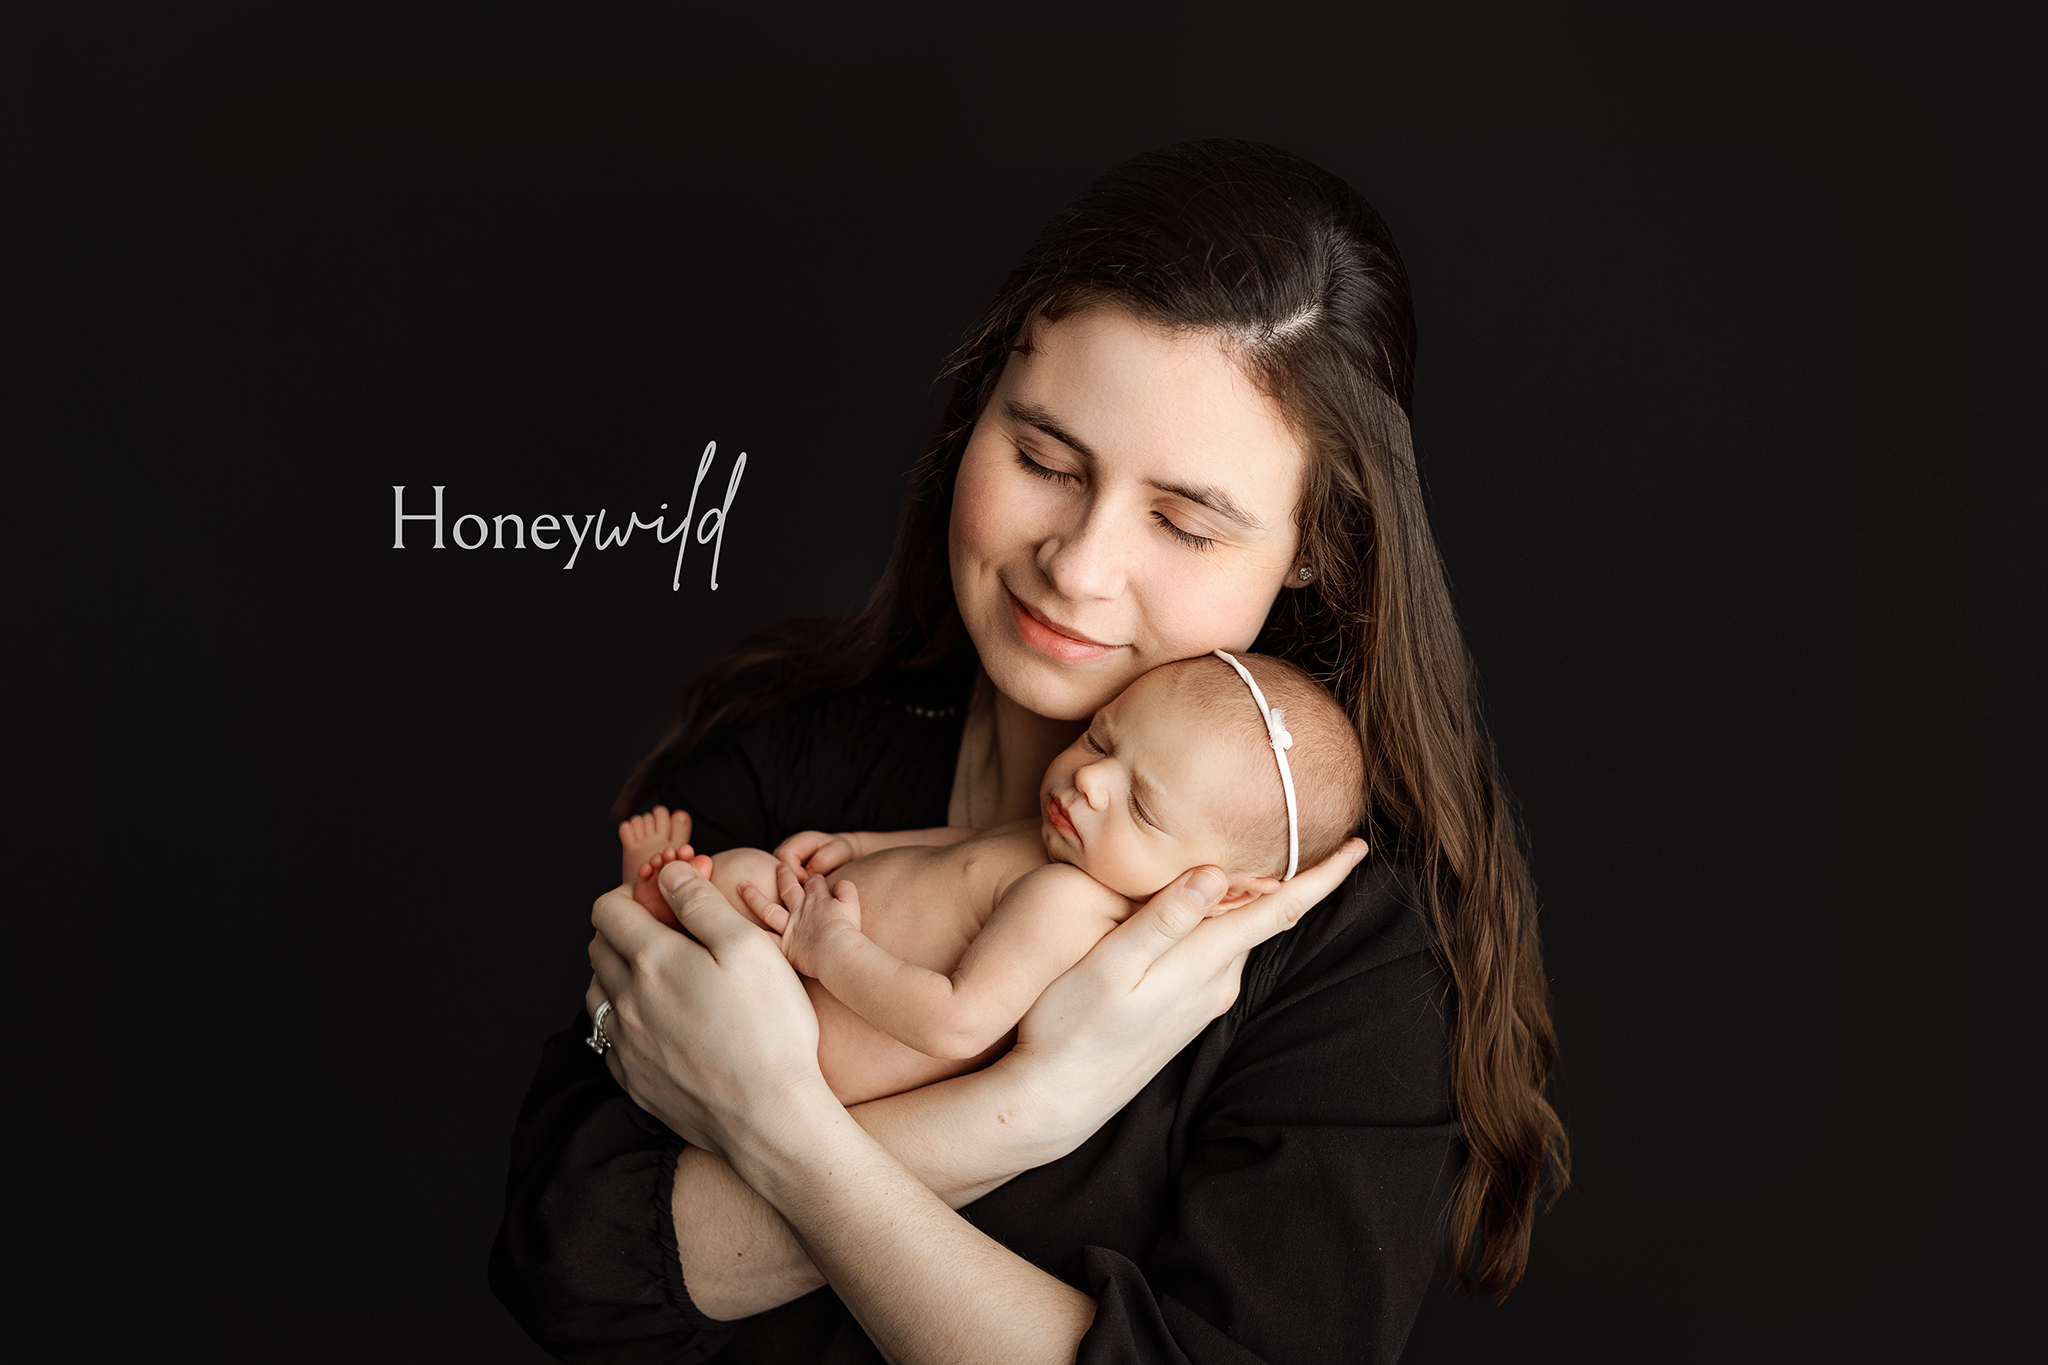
(1134, 802)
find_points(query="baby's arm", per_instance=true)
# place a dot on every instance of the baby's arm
(817, 852)
(1044, 924)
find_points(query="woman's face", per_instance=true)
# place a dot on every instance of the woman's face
(1127, 499)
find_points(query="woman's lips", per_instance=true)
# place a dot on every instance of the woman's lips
(1049, 639)
(1057, 813)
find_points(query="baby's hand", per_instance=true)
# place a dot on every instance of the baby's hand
(815, 914)
(816, 852)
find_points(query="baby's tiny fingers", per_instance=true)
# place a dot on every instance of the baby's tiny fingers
(767, 911)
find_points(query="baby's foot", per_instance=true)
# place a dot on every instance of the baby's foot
(643, 836)
(649, 895)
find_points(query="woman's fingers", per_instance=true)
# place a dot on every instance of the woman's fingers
(1182, 916)
(605, 961)
(1161, 922)
(592, 998)
(626, 929)
(1246, 927)
(703, 911)
(706, 1023)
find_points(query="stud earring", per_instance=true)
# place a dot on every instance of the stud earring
(1304, 574)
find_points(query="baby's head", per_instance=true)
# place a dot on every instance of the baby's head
(1178, 771)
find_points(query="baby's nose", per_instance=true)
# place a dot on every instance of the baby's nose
(1093, 783)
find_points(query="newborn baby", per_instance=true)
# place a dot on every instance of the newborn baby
(924, 953)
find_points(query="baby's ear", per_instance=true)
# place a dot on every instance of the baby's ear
(1244, 890)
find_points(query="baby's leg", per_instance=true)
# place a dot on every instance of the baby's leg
(737, 865)
(726, 871)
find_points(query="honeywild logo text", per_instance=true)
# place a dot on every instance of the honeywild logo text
(511, 531)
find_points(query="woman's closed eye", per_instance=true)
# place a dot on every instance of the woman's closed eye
(1041, 471)
(1181, 533)
(1064, 478)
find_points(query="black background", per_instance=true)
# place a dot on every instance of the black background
(1729, 352)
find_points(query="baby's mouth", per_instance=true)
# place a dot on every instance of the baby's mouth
(1057, 814)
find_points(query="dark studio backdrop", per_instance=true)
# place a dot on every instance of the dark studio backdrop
(1722, 398)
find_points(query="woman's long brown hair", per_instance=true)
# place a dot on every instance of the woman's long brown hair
(1299, 276)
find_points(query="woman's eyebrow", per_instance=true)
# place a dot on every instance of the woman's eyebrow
(1200, 494)
(1213, 498)
(1032, 415)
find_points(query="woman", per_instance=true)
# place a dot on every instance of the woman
(1181, 426)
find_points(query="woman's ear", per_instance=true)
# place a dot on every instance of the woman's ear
(1244, 890)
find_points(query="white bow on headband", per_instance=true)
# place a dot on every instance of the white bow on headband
(1276, 734)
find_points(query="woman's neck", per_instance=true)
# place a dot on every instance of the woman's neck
(1004, 752)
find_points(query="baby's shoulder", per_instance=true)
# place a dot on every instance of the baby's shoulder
(1063, 889)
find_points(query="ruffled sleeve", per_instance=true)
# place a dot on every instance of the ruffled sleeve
(586, 1255)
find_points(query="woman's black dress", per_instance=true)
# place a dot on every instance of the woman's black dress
(1276, 1193)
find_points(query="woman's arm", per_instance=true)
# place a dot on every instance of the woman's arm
(959, 1138)
(868, 1223)
(925, 1284)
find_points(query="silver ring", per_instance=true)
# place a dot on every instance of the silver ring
(597, 1042)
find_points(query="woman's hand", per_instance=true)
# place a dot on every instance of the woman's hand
(1100, 1033)
(922, 1281)
(711, 1030)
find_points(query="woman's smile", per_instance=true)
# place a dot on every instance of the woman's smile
(1066, 645)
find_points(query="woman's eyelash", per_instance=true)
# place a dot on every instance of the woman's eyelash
(1061, 476)
(1031, 466)
(1187, 538)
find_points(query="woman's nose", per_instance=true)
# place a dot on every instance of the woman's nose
(1086, 562)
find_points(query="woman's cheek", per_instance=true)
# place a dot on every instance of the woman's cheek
(1192, 612)
(990, 510)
